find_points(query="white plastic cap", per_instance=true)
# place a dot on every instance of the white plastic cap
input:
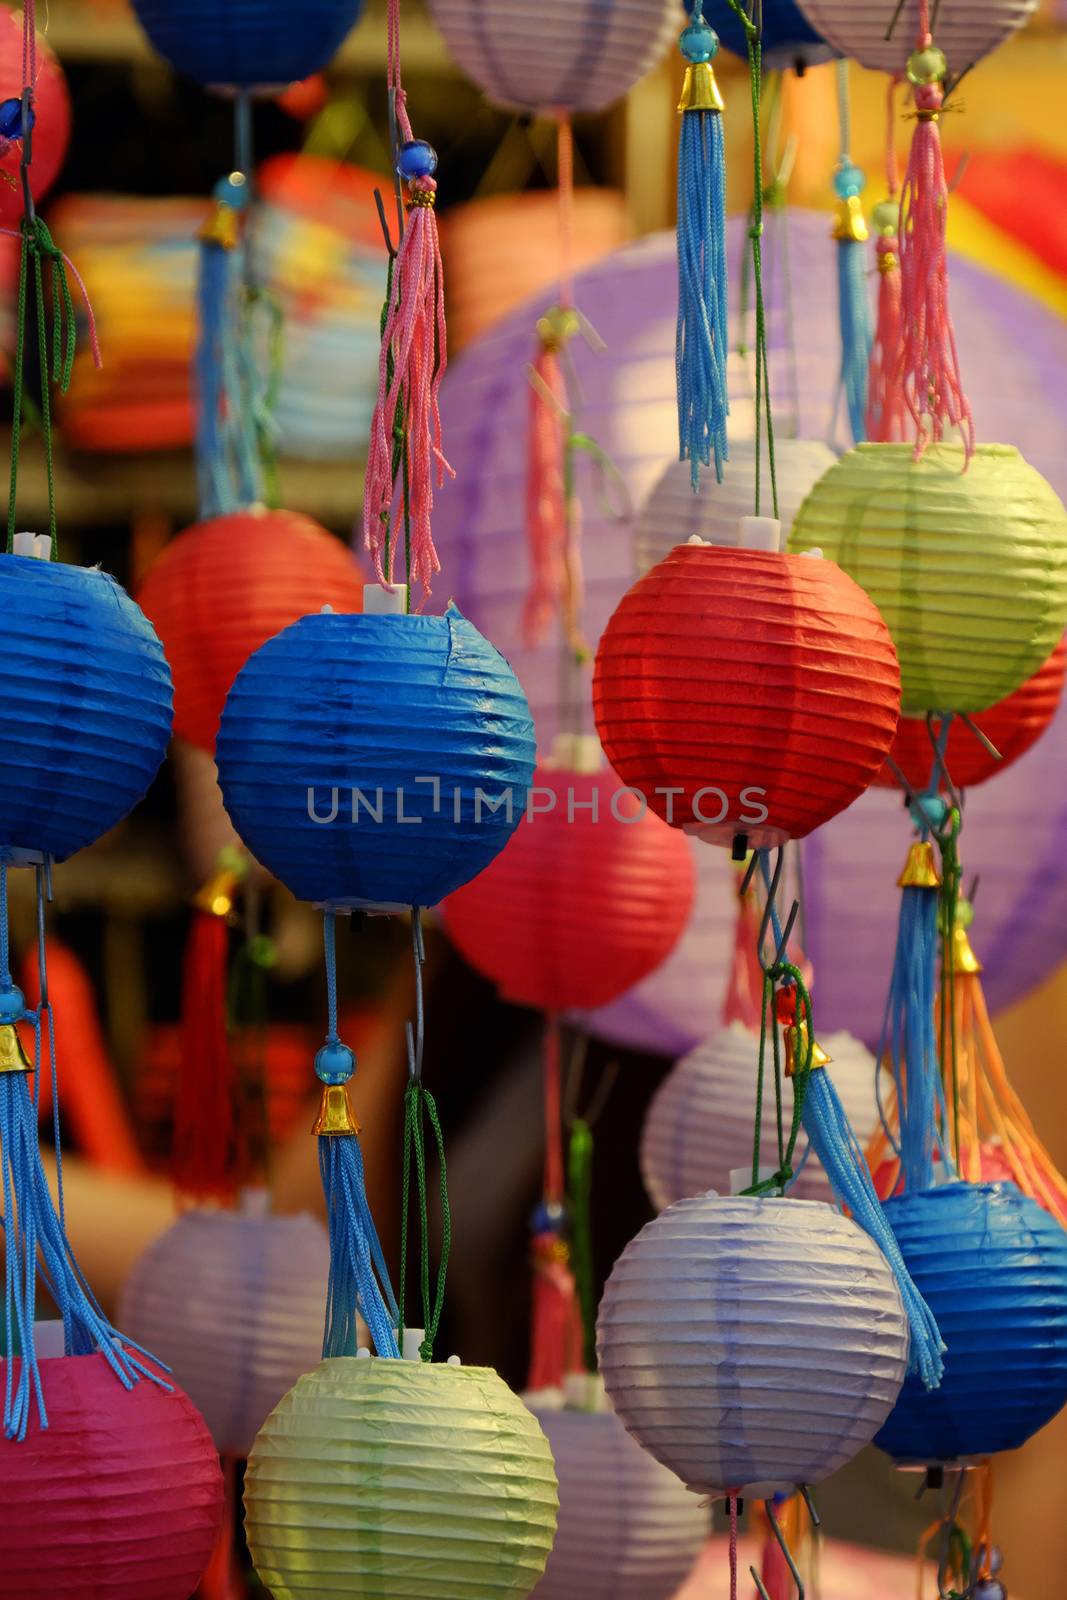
(543, 1399)
(741, 1178)
(760, 533)
(379, 602)
(363, 1353)
(413, 1337)
(255, 1203)
(33, 544)
(584, 1391)
(816, 552)
(453, 1361)
(48, 1339)
(577, 752)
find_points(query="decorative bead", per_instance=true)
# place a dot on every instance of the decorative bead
(232, 191)
(886, 217)
(934, 812)
(416, 159)
(699, 42)
(849, 180)
(996, 1559)
(11, 119)
(990, 1589)
(334, 1063)
(926, 66)
(12, 1005)
(548, 1217)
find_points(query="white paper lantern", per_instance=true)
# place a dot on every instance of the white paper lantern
(628, 1529)
(965, 30)
(233, 1303)
(752, 1345)
(699, 1125)
(673, 513)
(557, 55)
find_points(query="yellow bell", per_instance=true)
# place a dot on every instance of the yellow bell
(920, 869)
(960, 953)
(13, 1057)
(336, 1116)
(796, 1044)
(700, 92)
(223, 227)
(851, 223)
(217, 895)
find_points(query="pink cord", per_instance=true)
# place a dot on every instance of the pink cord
(732, 1501)
(94, 341)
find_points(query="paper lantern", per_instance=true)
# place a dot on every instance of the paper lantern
(234, 1305)
(341, 731)
(580, 904)
(966, 30)
(398, 1478)
(561, 55)
(673, 513)
(787, 38)
(752, 1345)
(699, 1124)
(224, 587)
(1011, 726)
(51, 127)
(992, 1265)
(87, 705)
(763, 687)
(247, 44)
(628, 1529)
(121, 1494)
(969, 569)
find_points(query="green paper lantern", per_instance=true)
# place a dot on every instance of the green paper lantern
(968, 568)
(378, 1479)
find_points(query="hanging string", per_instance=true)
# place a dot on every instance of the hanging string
(886, 409)
(556, 1332)
(744, 985)
(850, 233)
(579, 1208)
(731, 1501)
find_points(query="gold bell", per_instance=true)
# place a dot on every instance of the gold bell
(222, 227)
(336, 1116)
(960, 953)
(796, 1046)
(920, 869)
(851, 223)
(217, 895)
(13, 1057)
(700, 92)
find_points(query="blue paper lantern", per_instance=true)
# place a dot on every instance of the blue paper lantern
(789, 40)
(86, 701)
(247, 44)
(376, 760)
(992, 1266)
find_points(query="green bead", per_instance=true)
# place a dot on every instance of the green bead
(926, 66)
(886, 217)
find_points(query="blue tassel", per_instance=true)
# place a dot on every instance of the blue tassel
(854, 311)
(229, 477)
(701, 340)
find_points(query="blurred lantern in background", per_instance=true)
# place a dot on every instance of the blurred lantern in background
(247, 44)
(51, 120)
(966, 30)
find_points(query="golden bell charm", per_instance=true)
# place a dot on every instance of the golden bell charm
(700, 91)
(223, 227)
(13, 1057)
(851, 223)
(217, 895)
(796, 1048)
(960, 953)
(920, 869)
(336, 1116)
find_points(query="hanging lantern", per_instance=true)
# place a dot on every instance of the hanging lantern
(628, 1529)
(1011, 726)
(341, 731)
(698, 1127)
(224, 587)
(746, 692)
(673, 513)
(120, 1495)
(966, 30)
(233, 1304)
(587, 897)
(51, 120)
(787, 38)
(247, 44)
(395, 1478)
(569, 55)
(87, 696)
(969, 569)
(993, 1266)
(752, 1345)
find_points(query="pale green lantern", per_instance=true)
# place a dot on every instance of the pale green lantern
(377, 1479)
(968, 568)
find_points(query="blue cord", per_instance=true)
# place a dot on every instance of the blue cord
(857, 334)
(701, 342)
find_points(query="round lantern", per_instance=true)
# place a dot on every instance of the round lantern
(224, 587)
(992, 1266)
(1011, 726)
(398, 1478)
(87, 705)
(233, 1304)
(744, 691)
(968, 568)
(966, 30)
(570, 55)
(698, 1128)
(787, 38)
(673, 513)
(752, 1345)
(120, 1495)
(247, 44)
(588, 896)
(628, 1529)
(51, 125)
(376, 761)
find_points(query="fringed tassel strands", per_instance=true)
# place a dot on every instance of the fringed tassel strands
(702, 333)
(886, 412)
(928, 362)
(556, 1337)
(854, 310)
(413, 359)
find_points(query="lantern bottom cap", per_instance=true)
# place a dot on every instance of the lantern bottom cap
(765, 1489)
(759, 836)
(20, 856)
(373, 908)
(914, 1464)
(258, 91)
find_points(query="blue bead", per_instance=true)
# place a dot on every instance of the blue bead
(699, 42)
(11, 119)
(229, 193)
(933, 813)
(849, 180)
(547, 1218)
(334, 1063)
(991, 1589)
(12, 1005)
(416, 159)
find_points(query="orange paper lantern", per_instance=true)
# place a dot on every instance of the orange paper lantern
(746, 692)
(224, 587)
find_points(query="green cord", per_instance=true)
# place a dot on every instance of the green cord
(579, 1210)
(787, 974)
(419, 1103)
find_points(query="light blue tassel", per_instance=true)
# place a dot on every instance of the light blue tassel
(854, 311)
(701, 339)
(229, 475)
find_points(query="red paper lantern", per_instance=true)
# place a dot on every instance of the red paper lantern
(746, 692)
(121, 1495)
(1011, 726)
(224, 587)
(51, 128)
(581, 904)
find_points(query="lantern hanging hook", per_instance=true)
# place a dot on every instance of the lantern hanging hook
(416, 1034)
(949, 1527)
(783, 1545)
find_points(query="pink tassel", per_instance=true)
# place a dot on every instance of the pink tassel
(546, 509)
(744, 987)
(929, 368)
(886, 408)
(556, 1318)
